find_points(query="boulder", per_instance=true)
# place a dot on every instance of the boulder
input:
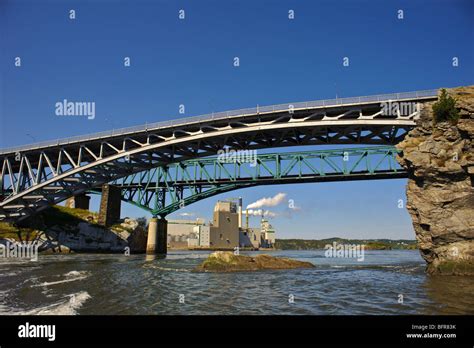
(227, 261)
(129, 224)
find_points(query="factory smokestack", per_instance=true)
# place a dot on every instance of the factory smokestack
(240, 212)
(247, 219)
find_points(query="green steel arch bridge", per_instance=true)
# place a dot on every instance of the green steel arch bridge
(165, 189)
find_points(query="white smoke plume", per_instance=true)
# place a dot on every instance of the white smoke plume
(268, 201)
(260, 212)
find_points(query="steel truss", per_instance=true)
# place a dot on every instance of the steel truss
(165, 189)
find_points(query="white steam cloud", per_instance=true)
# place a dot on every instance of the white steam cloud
(260, 212)
(268, 201)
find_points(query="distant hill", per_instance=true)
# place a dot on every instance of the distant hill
(370, 244)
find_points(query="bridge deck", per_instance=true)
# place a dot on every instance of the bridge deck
(259, 110)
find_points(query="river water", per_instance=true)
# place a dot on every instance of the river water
(118, 284)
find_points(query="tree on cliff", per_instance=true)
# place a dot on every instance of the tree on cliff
(445, 108)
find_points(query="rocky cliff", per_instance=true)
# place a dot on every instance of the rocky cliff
(440, 195)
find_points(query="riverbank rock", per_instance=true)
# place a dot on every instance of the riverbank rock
(87, 237)
(227, 261)
(439, 158)
(68, 230)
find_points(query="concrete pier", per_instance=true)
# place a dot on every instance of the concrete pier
(157, 236)
(78, 202)
(109, 205)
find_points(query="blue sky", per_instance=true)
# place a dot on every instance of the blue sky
(190, 62)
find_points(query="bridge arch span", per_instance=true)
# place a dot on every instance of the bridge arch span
(34, 177)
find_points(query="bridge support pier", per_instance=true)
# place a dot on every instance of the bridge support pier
(157, 236)
(78, 202)
(110, 203)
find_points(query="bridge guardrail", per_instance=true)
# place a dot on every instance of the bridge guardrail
(223, 115)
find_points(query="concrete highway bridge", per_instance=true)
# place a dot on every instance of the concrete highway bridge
(36, 176)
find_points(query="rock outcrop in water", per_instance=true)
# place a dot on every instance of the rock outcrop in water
(439, 158)
(227, 261)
